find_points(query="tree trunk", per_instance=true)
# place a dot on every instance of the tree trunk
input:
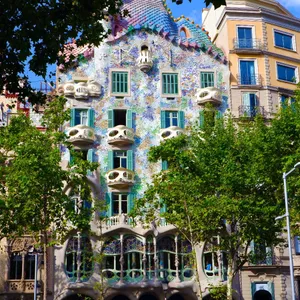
(195, 267)
(229, 279)
(45, 266)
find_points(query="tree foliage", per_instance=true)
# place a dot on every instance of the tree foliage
(34, 31)
(225, 179)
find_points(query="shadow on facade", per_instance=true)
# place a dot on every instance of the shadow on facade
(120, 297)
(148, 297)
(262, 295)
(176, 297)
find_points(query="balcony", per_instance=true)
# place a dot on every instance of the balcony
(247, 45)
(251, 111)
(209, 95)
(20, 286)
(246, 80)
(120, 178)
(120, 135)
(80, 90)
(81, 135)
(170, 132)
(145, 61)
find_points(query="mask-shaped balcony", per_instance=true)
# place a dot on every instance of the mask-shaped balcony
(120, 178)
(120, 135)
(170, 132)
(69, 88)
(145, 61)
(209, 95)
(94, 88)
(81, 135)
(81, 91)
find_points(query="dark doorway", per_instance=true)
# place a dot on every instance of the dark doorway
(120, 297)
(148, 297)
(176, 297)
(262, 295)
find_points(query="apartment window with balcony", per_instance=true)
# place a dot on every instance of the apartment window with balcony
(170, 84)
(261, 254)
(120, 83)
(249, 105)
(120, 159)
(119, 117)
(207, 79)
(286, 100)
(172, 118)
(81, 116)
(248, 72)
(287, 73)
(284, 40)
(245, 38)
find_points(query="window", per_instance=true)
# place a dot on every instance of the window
(80, 116)
(284, 40)
(119, 82)
(207, 79)
(79, 249)
(286, 73)
(245, 39)
(80, 205)
(119, 204)
(261, 254)
(16, 260)
(184, 33)
(172, 118)
(120, 159)
(247, 72)
(209, 117)
(119, 117)
(249, 105)
(170, 84)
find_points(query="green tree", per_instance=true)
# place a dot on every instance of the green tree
(225, 179)
(32, 181)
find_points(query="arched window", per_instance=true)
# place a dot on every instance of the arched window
(184, 33)
(79, 250)
(111, 264)
(133, 258)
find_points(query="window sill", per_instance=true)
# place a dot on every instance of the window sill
(286, 81)
(287, 49)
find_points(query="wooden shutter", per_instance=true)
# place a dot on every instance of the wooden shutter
(73, 116)
(130, 160)
(218, 114)
(253, 288)
(111, 121)
(163, 119)
(246, 99)
(110, 163)
(90, 158)
(271, 289)
(109, 204)
(181, 119)
(163, 207)
(297, 241)
(129, 118)
(201, 119)
(130, 202)
(91, 117)
(164, 165)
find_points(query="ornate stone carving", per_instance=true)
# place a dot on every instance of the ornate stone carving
(120, 177)
(81, 134)
(80, 90)
(208, 95)
(120, 135)
(21, 244)
(170, 132)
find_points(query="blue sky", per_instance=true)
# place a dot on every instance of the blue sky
(192, 10)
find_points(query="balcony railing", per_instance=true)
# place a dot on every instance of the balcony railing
(120, 178)
(170, 132)
(120, 135)
(20, 286)
(81, 134)
(249, 80)
(251, 111)
(209, 95)
(247, 44)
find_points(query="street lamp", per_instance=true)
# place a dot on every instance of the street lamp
(36, 253)
(287, 215)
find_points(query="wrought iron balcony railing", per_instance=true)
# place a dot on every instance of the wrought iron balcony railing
(251, 111)
(249, 79)
(247, 44)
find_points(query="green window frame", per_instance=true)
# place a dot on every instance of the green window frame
(170, 84)
(119, 82)
(207, 79)
(82, 116)
(170, 118)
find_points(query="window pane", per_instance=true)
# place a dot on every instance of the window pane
(283, 40)
(170, 83)
(29, 266)
(207, 79)
(15, 266)
(120, 82)
(286, 73)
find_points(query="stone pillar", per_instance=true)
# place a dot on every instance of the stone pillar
(176, 259)
(155, 260)
(122, 258)
(78, 256)
(144, 259)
